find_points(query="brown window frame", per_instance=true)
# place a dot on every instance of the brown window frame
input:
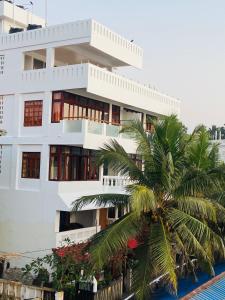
(31, 162)
(116, 115)
(33, 110)
(81, 160)
(79, 107)
(149, 123)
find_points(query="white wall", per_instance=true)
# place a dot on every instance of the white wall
(5, 166)
(222, 149)
(8, 114)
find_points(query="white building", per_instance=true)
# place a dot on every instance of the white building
(60, 101)
(222, 149)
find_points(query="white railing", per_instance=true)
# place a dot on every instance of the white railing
(116, 181)
(123, 85)
(103, 83)
(49, 34)
(117, 39)
(68, 31)
(93, 127)
(76, 235)
(16, 290)
(66, 73)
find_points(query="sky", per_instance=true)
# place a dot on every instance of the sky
(183, 42)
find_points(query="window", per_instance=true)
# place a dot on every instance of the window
(111, 213)
(33, 113)
(115, 115)
(74, 107)
(69, 163)
(31, 165)
(38, 64)
(149, 123)
(137, 159)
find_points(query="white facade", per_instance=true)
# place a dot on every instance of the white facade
(221, 143)
(222, 149)
(75, 58)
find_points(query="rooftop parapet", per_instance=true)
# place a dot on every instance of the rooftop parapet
(95, 36)
(13, 15)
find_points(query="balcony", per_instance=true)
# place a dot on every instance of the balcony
(116, 181)
(91, 134)
(91, 37)
(76, 235)
(98, 81)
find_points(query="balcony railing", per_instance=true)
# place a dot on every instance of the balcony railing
(92, 33)
(93, 127)
(101, 82)
(76, 235)
(116, 181)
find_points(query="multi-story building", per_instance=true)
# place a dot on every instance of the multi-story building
(217, 135)
(60, 101)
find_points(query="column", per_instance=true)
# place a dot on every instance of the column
(47, 112)
(18, 115)
(121, 116)
(50, 57)
(97, 216)
(16, 162)
(44, 168)
(110, 113)
(144, 121)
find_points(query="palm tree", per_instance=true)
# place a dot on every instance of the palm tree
(170, 213)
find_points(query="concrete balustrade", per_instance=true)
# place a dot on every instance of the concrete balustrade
(116, 181)
(76, 235)
(101, 82)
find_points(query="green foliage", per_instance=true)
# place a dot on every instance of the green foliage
(176, 203)
(65, 270)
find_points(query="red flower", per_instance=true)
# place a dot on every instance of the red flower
(132, 243)
(61, 253)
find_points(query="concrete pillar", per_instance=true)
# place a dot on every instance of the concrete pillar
(18, 114)
(44, 167)
(144, 121)
(121, 116)
(47, 111)
(57, 221)
(110, 113)
(16, 159)
(50, 57)
(97, 217)
(116, 213)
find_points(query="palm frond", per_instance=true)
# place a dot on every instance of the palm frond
(194, 247)
(136, 131)
(120, 161)
(110, 241)
(198, 182)
(101, 200)
(142, 199)
(162, 254)
(143, 272)
(202, 232)
(197, 207)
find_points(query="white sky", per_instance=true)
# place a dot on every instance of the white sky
(183, 42)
